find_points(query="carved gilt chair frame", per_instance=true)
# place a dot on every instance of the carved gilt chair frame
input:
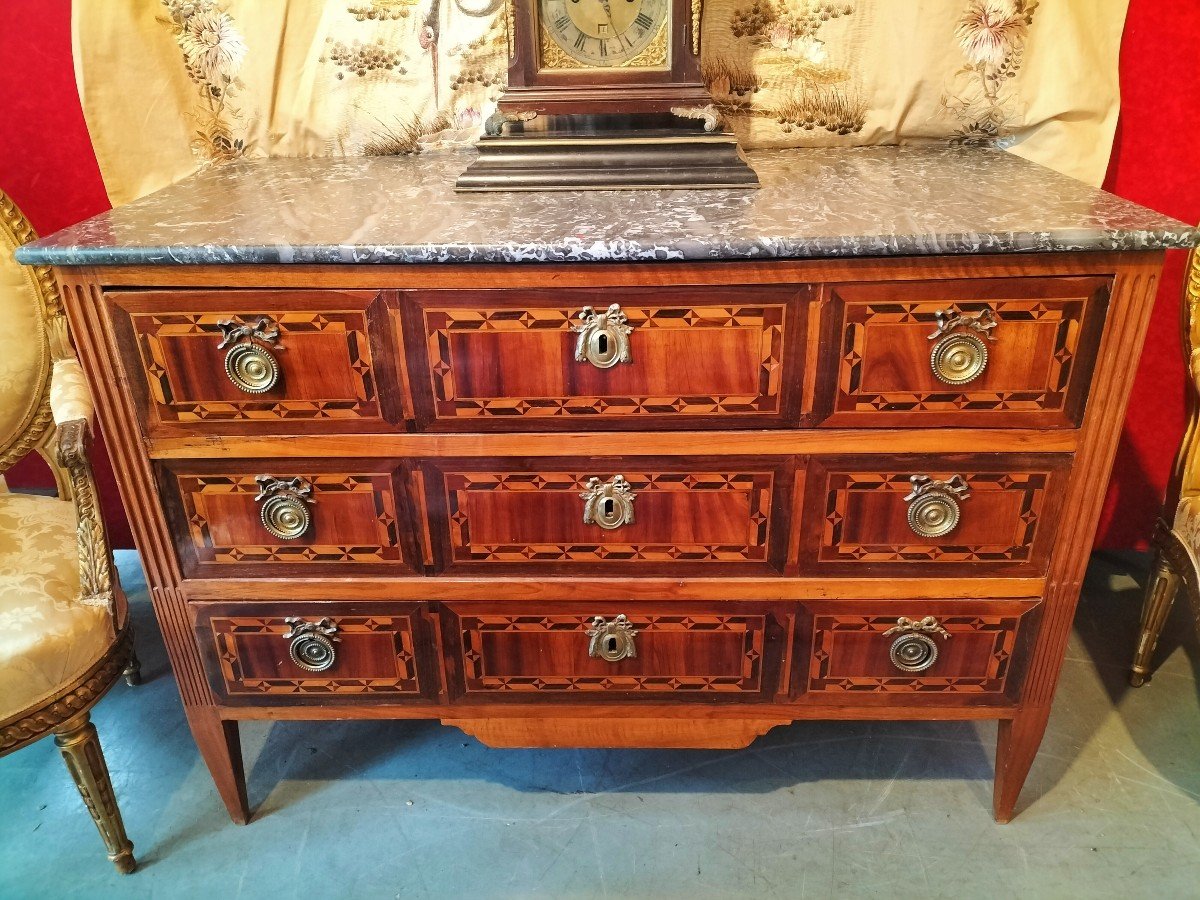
(1177, 534)
(66, 713)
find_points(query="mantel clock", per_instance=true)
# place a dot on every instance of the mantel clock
(605, 94)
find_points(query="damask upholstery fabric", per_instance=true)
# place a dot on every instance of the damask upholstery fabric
(170, 85)
(24, 353)
(47, 638)
(70, 397)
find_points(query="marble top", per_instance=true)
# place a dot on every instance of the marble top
(878, 201)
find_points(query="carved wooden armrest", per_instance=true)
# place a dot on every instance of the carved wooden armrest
(71, 404)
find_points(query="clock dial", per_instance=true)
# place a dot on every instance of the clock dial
(602, 33)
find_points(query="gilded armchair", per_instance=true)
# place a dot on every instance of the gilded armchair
(64, 626)
(1177, 536)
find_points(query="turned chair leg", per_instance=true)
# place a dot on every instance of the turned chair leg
(80, 747)
(1160, 595)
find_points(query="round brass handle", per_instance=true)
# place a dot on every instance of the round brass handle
(914, 653)
(934, 515)
(311, 646)
(959, 359)
(284, 512)
(251, 368)
(933, 506)
(612, 641)
(287, 518)
(250, 365)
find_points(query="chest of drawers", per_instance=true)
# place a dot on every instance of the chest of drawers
(618, 498)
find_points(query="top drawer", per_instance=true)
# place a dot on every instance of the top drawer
(998, 352)
(250, 360)
(627, 358)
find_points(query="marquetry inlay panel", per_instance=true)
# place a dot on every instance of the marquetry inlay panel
(354, 520)
(324, 356)
(677, 654)
(687, 361)
(375, 655)
(850, 655)
(535, 518)
(1039, 354)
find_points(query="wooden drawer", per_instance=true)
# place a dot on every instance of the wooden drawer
(698, 357)
(324, 344)
(358, 516)
(705, 651)
(862, 514)
(696, 514)
(365, 652)
(880, 340)
(945, 650)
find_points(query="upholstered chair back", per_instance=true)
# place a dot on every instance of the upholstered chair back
(31, 316)
(1185, 481)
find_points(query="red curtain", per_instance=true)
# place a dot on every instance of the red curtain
(47, 167)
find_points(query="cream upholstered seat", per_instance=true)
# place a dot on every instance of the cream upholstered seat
(1177, 538)
(47, 637)
(64, 632)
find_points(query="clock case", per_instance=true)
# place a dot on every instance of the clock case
(601, 128)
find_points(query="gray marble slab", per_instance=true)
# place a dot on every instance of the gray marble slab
(879, 201)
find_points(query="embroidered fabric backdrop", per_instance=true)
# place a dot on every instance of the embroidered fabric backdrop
(170, 85)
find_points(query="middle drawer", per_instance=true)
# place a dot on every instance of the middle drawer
(710, 515)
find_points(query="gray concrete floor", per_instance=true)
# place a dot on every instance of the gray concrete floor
(1111, 809)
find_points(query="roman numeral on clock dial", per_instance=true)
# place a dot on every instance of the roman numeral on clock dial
(603, 33)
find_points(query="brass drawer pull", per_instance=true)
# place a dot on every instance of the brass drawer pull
(608, 505)
(311, 646)
(914, 650)
(934, 505)
(612, 641)
(961, 355)
(249, 364)
(284, 513)
(603, 337)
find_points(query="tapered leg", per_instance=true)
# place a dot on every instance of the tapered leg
(1016, 747)
(1160, 595)
(76, 739)
(221, 749)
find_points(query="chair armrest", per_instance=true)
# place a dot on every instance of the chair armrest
(71, 404)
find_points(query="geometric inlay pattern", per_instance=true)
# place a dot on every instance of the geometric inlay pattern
(397, 630)
(757, 488)
(351, 325)
(1063, 316)
(765, 321)
(1002, 630)
(749, 630)
(195, 489)
(1030, 487)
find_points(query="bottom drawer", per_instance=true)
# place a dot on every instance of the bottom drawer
(944, 648)
(662, 652)
(317, 652)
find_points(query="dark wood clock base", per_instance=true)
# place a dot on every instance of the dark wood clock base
(622, 158)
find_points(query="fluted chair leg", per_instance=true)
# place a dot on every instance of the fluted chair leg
(77, 741)
(1160, 596)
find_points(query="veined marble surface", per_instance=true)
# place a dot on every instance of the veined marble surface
(878, 201)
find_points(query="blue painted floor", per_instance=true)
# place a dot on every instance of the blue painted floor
(363, 810)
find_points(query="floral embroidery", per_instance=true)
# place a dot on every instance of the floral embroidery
(385, 116)
(779, 53)
(992, 36)
(213, 55)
